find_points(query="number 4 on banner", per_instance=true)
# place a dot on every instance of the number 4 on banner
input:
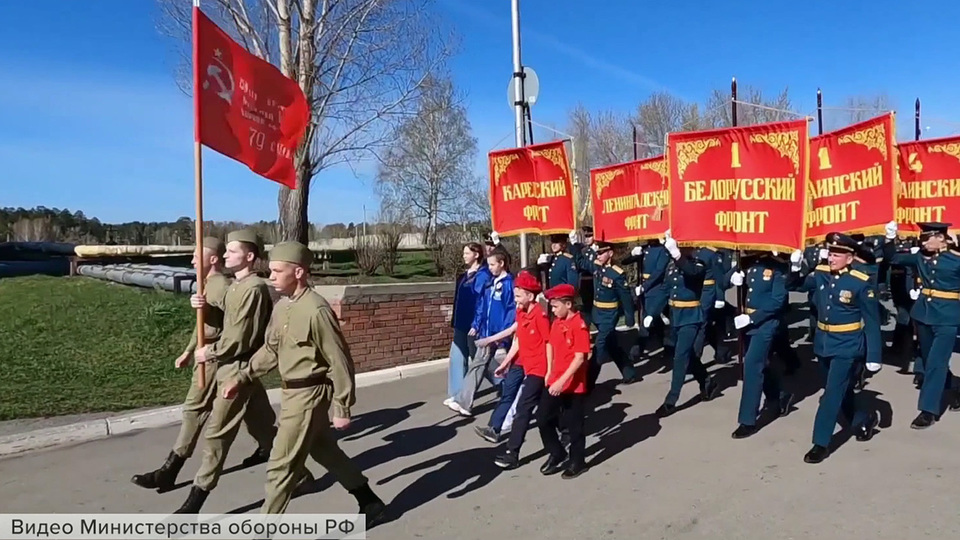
(245, 109)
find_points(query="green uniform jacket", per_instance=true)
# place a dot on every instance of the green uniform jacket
(247, 307)
(214, 290)
(305, 341)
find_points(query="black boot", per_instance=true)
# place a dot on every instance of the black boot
(743, 431)
(923, 421)
(164, 478)
(866, 431)
(259, 456)
(370, 505)
(709, 390)
(816, 454)
(194, 501)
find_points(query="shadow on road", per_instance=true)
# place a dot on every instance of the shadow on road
(622, 436)
(374, 422)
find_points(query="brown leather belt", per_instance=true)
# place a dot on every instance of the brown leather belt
(308, 382)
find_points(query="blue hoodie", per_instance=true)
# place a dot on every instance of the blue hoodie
(467, 295)
(497, 309)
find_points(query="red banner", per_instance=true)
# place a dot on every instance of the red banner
(531, 190)
(245, 108)
(929, 187)
(852, 179)
(630, 200)
(740, 188)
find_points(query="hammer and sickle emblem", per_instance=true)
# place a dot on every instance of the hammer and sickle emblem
(914, 163)
(215, 72)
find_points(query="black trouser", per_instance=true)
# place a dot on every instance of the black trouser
(566, 410)
(528, 400)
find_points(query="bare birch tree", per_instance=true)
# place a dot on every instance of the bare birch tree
(429, 168)
(360, 63)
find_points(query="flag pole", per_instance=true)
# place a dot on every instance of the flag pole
(198, 188)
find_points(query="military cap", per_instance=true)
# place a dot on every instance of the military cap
(858, 237)
(603, 246)
(214, 244)
(526, 281)
(292, 252)
(933, 227)
(561, 291)
(841, 243)
(488, 240)
(559, 238)
(248, 236)
(587, 230)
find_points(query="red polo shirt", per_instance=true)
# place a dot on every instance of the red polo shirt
(533, 330)
(568, 337)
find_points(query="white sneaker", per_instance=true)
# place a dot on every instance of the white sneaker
(455, 407)
(448, 401)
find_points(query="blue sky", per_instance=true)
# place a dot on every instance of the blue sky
(94, 121)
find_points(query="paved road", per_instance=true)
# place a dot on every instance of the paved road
(678, 478)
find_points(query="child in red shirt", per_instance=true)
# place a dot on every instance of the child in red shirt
(566, 381)
(530, 347)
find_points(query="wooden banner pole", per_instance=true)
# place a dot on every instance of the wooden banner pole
(198, 192)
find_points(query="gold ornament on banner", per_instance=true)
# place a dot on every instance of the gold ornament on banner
(500, 164)
(951, 149)
(871, 137)
(555, 156)
(690, 151)
(659, 166)
(787, 143)
(605, 178)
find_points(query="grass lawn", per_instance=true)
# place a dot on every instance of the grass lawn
(79, 345)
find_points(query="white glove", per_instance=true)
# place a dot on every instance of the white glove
(719, 304)
(494, 237)
(733, 263)
(737, 279)
(664, 319)
(672, 248)
(824, 254)
(573, 237)
(639, 290)
(741, 321)
(873, 368)
(667, 234)
(914, 294)
(891, 230)
(775, 253)
(914, 249)
(636, 251)
(647, 321)
(543, 258)
(796, 257)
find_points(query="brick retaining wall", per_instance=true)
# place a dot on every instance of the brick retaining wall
(393, 324)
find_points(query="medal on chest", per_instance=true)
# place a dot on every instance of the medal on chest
(846, 296)
(607, 282)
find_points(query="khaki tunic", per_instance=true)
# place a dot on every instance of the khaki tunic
(199, 401)
(247, 308)
(304, 340)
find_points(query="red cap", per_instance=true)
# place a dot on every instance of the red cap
(564, 290)
(527, 282)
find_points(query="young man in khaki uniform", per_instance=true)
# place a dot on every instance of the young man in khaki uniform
(247, 308)
(199, 401)
(305, 341)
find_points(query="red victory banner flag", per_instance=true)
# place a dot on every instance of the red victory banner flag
(853, 179)
(245, 108)
(531, 190)
(740, 188)
(929, 183)
(630, 200)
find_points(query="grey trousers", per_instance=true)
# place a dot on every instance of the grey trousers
(482, 365)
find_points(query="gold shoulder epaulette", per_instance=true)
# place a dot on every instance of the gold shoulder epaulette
(823, 267)
(859, 275)
(567, 255)
(617, 269)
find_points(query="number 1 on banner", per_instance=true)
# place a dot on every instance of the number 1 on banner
(824, 158)
(735, 155)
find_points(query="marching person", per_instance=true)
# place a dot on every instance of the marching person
(611, 298)
(652, 260)
(527, 359)
(317, 372)
(848, 333)
(767, 301)
(936, 312)
(247, 307)
(685, 281)
(199, 400)
(496, 312)
(713, 302)
(559, 263)
(904, 291)
(469, 287)
(813, 256)
(585, 286)
(563, 405)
